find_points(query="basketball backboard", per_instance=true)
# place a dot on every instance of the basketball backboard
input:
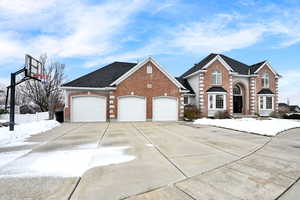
(34, 67)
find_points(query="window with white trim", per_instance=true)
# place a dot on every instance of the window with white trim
(217, 77)
(265, 80)
(217, 101)
(266, 102)
(149, 69)
(185, 100)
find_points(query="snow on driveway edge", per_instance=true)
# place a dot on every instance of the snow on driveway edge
(266, 127)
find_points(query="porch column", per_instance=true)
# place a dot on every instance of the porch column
(276, 95)
(252, 95)
(111, 103)
(201, 92)
(181, 106)
(230, 95)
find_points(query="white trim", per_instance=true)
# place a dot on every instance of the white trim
(216, 92)
(219, 58)
(178, 108)
(84, 95)
(265, 103)
(88, 88)
(141, 64)
(125, 96)
(214, 102)
(235, 74)
(269, 66)
(195, 73)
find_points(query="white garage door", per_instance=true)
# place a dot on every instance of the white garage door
(165, 109)
(88, 109)
(132, 109)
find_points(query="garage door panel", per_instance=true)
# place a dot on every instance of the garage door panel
(88, 109)
(132, 109)
(165, 109)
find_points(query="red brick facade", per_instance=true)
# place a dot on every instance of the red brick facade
(67, 111)
(250, 86)
(208, 83)
(147, 85)
(140, 83)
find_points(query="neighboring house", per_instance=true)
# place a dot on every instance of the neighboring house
(283, 107)
(220, 83)
(294, 109)
(125, 92)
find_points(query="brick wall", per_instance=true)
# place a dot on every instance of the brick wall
(67, 110)
(208, 84)
(272, 87)
(148, 85)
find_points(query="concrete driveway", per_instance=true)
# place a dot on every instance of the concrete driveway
(171, 161)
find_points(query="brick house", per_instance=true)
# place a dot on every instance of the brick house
(125, 92)
(220, 83)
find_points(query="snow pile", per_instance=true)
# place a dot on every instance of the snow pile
(24, 131)
(66, 163)
(263, 127)
(6, 157)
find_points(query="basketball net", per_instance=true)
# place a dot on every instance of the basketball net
(43, 77)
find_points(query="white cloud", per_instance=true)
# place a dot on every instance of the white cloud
(216, 37)
(69, 29)
(289, 86)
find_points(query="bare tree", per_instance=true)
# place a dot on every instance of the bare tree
(2, 93)
(46, 94)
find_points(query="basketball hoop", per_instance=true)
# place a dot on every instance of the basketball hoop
(42, 77)
(33, 70)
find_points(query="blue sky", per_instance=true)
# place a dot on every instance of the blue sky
(87, 34)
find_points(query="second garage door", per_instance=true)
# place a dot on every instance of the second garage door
(165, 109)
(132, 108)
(88, 109)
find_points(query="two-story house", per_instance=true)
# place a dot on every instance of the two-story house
(220, 83)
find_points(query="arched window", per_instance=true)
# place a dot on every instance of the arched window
(265, 80)
(237, 90)
(216, 77)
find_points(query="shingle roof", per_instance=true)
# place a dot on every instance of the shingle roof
(216, 89)
(199, 65)
(255, 67)
(283, 105)
(185, 84)
(294, 108)
(265, 91)
(102, 77)
(237, 66)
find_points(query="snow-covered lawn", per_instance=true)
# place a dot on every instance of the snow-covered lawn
(18, 137)
(23, 131)
(269, 127)
(66, 163)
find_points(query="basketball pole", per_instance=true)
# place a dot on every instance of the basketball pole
(12, 101)
(13, 84)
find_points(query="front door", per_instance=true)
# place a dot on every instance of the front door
(237, 104)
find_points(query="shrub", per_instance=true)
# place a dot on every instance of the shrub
(2, 111)
(292, 116)
(222, 115)
(275, 114)
(191, 112)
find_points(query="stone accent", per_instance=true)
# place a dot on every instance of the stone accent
(201, 92)
(230, 95)
(111, 106)
(181, 106)
(252, 95)
(276, 95)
